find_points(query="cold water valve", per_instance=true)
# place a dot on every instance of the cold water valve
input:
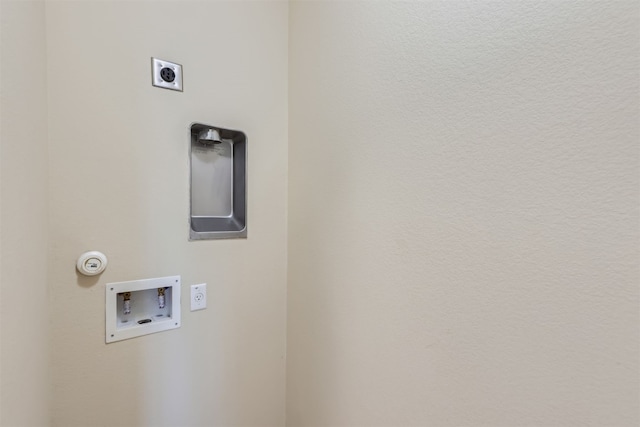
(160, 297)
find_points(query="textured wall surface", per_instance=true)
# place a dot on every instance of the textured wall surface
(24, 319)
(463, 213)
(119, 184)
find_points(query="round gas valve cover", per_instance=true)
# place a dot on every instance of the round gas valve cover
(92, 263)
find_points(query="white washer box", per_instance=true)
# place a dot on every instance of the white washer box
(142, 307)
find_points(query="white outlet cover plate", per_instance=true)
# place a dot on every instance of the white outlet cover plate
(198, 297)
(157, 65)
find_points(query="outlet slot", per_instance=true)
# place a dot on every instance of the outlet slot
(165, 74)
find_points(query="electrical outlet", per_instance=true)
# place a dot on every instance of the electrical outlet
(198, 297)
(166, 74)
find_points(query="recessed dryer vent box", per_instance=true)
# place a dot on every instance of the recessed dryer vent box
(218, 165)
(142, 307)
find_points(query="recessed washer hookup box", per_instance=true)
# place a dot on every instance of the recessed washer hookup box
(141, 307)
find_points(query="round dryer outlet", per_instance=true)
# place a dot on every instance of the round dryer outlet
(91, 263)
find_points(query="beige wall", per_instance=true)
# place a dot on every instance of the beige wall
(463, 214)
(24, 355)
(119, 184)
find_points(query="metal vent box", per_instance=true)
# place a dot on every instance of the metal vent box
(218, 183)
